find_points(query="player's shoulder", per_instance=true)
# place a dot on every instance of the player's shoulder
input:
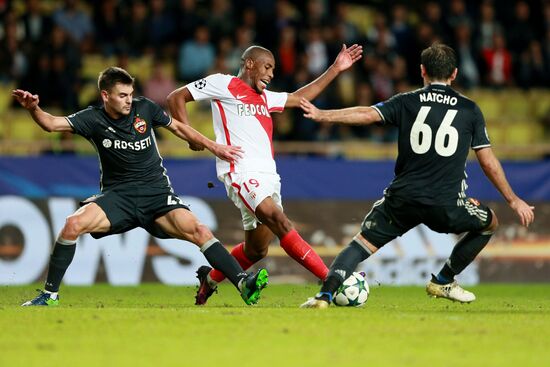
(410, 94)
(466, 100)
(142, 100)
(88, 111)
(404, 96)
(216, 80)
(220, 77)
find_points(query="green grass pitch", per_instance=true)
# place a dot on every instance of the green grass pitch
(155, 325)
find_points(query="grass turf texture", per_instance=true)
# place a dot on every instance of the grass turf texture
(156, 325)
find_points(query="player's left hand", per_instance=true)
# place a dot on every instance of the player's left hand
(347, 57)
(228, 153)
(524, 211)
(26, 99)
(310, 111)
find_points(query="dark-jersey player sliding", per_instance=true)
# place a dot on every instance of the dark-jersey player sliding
(135, 190)
(437, 128)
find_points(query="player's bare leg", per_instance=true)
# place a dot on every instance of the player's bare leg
(443, 285)
(88, 219)
(181, 223)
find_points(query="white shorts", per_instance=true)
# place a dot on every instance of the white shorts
(248, 189)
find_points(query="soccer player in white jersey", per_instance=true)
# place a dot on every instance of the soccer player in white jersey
(241, 111)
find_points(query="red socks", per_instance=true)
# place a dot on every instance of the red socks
(295, 246)
(237, 253)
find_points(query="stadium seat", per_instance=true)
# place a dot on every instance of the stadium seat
(497, 133)
(516, 105)
(88, 93)
(141, 67)
(5, 96)
(540, 103)
(490, 105)
(93, 64)
(523, 133)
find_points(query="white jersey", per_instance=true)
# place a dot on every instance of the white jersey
(242, 117)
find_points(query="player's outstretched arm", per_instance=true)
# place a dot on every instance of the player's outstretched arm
(45, 120)
(193, 137)
(359, 115)
(493, 170)
(176, 104)
(345, 59)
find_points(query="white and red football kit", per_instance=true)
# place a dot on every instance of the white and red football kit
(242, 117)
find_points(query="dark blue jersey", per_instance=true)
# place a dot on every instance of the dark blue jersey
(437, 127)
(127, 148)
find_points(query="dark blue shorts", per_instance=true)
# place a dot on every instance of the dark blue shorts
(131, 207)
(391, 217)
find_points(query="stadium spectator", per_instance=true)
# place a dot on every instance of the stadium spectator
(457, 15)
(196, 56)
(379, 37)
(498, 61)
(430, 182)
(402, 32)
(432, 16)
(134, 185)
(162, 27)
(13, 61)
(468, 61)
(381, 79)
(316, 14)
(188, 17)
(287, 53)
(75, 22)
(225, 57)
(487, 26)
(520, 32)
(159, 85)
(36, 23)
(244, 37)
(136, 29)
(533, 69)
(220, 19)
(316, 51)
(107, 20)
(347, 30)
(39, 77)
(241, 108)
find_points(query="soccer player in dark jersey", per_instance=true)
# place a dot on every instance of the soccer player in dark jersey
(135, 190)
(437, 127)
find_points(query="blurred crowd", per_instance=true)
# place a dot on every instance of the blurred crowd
(499, 44)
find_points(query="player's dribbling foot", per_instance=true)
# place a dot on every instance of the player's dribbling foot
(315, 303)
(451, 291)
(205, 290)
(43, 299)
(321, 300)
(252, 285)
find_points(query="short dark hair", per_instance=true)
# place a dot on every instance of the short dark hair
(439, 60)
(112, 75)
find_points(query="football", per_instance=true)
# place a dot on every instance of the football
(353, 292)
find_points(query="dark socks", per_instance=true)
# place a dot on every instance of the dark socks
(60, 259)
(464, 252)
(343, 266)
(219, 258)
(445, 276)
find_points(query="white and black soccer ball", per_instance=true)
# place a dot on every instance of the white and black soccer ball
(353, 292)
